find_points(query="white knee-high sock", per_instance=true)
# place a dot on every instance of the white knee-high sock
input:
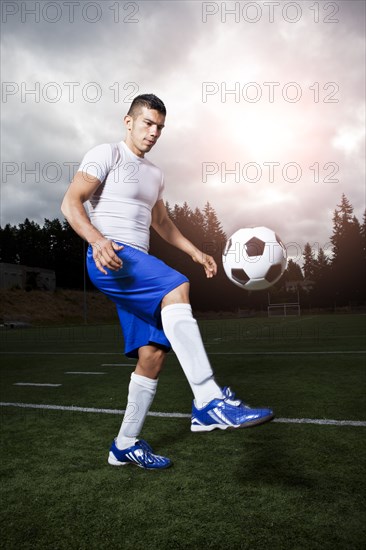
(183, 333)
(141, 392)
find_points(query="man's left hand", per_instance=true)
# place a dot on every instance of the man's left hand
(207, 262)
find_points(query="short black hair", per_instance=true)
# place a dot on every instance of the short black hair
(150, 101)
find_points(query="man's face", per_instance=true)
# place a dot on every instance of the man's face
(143, 130)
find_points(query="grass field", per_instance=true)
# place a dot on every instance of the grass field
(284, 485)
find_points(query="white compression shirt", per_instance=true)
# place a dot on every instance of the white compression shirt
(121, 206)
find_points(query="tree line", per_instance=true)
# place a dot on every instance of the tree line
(335, 277)
(339, 278)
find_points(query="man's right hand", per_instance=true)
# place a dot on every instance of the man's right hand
(104, 255)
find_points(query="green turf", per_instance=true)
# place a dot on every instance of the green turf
(279, 486)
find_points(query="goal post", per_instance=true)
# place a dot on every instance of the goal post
(283, 309)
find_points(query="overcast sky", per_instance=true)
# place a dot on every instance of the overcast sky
(265, 104)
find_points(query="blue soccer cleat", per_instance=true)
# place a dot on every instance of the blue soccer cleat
(227, 413)
(140, 454)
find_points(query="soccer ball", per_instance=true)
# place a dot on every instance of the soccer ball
(254, 258)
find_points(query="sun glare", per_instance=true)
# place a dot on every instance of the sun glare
(258, 143)
(263, 136)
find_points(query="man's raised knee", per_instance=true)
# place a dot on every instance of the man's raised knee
(179, 295)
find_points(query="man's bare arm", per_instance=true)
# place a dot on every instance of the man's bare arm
(80, 190)
(166, 228)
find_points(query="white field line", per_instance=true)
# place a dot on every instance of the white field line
(118, 353)
(338, 352)
(34, 384)
(318, 421)
(117, 365)
(83, 372)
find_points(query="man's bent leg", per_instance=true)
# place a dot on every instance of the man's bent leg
(184, 336)
(141, 393)
(179, 295)
(212, 408)
(150, 362)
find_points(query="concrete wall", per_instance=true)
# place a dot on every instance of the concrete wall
(26, 278)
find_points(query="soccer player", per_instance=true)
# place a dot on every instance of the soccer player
(125, 195)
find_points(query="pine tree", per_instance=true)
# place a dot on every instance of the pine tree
(214, 234)
(70, 260)
(363, 236)
(8, 244)
(321, 268)
(321, 294)
(322, 262)
(293, 272)
(198, 219)
(29, 237)
(348, 262)
(342, 220)
(52, 230)
(363, 226)
(309, 262)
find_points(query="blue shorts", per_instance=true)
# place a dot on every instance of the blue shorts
(137, 290)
